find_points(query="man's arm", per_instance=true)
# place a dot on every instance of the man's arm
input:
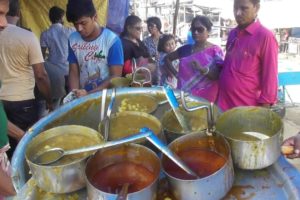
(15, 131)
(6, 185)
(114, 71)
(43, 43)
(269, 73)
(73, 76)
(42, 82)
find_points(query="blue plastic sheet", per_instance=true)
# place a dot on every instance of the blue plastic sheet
(117, 13)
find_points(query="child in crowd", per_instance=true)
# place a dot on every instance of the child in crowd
(166, 45)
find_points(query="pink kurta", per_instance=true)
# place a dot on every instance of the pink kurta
(249, 73)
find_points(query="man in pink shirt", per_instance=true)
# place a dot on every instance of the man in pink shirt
(249, 73)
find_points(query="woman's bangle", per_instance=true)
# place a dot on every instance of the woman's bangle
(207, 71)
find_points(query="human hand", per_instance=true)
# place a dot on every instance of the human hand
(197, 66)
(291, 147)
(80, 92)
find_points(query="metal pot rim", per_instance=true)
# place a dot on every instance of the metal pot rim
(278, 132)
(62, 165)
(175, 132)
(132, 193)
(138, 113)
(228, 161)
(250, 141)
(134, 145)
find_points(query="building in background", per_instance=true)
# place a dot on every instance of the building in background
(216, 10)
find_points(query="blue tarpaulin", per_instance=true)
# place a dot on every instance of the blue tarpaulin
(117, 13)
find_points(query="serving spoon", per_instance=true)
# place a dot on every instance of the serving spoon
(53, 155)
(175, 107)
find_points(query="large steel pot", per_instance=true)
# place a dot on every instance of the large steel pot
(197, 120)
(125, 123)
(134, 153)
(240, 125)
(139, 102)
(214, 186)
(67, 176)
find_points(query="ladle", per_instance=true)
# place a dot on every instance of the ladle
(103, 101)
(166, 101)
(175, 107)
(108, 113)
(123, 193)
(53, 155)
(165, 150)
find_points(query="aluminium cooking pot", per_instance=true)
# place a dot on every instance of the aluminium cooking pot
(210, 158)
(108, 169)
(66, 175)
(255, 135)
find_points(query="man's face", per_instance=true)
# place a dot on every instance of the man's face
(245, 12)
(4, 6)
(86, 27)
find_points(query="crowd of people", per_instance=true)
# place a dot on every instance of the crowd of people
(84, 59)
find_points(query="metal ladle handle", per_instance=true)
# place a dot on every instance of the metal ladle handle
(108, 113)
(103, 101)
(209, 111)
(165, 150)
(128, 139)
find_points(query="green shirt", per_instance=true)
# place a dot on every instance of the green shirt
(3, 127)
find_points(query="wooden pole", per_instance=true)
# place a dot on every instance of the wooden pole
(175, 16)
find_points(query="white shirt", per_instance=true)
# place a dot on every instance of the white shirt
(19, 50)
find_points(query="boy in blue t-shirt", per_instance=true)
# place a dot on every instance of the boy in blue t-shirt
(95, 52)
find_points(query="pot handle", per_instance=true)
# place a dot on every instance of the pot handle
(148, 72)
(209, 111)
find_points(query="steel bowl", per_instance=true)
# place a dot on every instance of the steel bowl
(251, 152)
(117, 82)
(134, 153)
(197, 120)
(67, 176)
(211, 187)
(139, 102)
(124, 123)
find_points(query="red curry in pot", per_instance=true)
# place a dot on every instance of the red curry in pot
(202, 161)
(111, 178)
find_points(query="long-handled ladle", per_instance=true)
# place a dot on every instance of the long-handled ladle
(53, 155)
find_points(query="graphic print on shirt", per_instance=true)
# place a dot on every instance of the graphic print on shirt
(93, 67)
(92, 58)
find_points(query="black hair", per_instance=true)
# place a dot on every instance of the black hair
(154, 20)
(163, 40)
(79, 8)
(56, 14)
(131, 20)
(255, 1)
(205, 21)
(14, 8)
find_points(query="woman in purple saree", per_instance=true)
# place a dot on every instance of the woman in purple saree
(199, 63)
